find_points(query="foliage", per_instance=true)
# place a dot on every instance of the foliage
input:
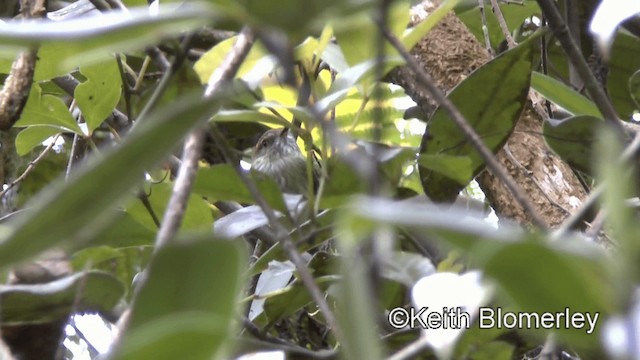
(375, 227)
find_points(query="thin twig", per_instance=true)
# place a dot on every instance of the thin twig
(503, 24)
(194, 143)
(474, 139)
(181, 188)
(411, 350)
(30, 167)
(572, 50)
(485, 29)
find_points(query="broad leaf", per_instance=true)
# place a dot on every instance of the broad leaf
(187, 302)
(44, 109)
(621, 68)
(221, 182)
(563, 96)
(86, 291)
(491, 100)
(100, 93)
(573, 139)
(33, 136)
(61, 213)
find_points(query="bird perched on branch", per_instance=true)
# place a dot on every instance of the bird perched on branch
(278, 156)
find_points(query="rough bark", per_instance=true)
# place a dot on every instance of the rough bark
(449, 53)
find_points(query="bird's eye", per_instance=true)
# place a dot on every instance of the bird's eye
(265, 143)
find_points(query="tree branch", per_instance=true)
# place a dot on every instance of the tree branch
(561, 31)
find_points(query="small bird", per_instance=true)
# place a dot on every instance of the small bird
(278, 156)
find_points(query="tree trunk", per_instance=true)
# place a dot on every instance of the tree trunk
(449, 53)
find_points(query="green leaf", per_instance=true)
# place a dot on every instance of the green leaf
(87, 40)
(458, 168)
(620, 184)
(573, 139)
(62, 212)
(221, 182)
(357, 41)
(197, 215)
(290, 299)
(563, 96)
(187, 303)
(343, 182)
(295, 18)
(491, 100)
(100, 93)
(570, 272)
(416, 33)
(43, 109)
(562, 280)
(89, 291)
(634, 88)
(621, 69)
(125, 232)
(33, 136)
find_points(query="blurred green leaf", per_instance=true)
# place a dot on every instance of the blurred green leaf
(357, 41)
(292, 298)
(499, 92)
(63, 212)
(87, 40)
(249, 116)
(621, 185)
(100, 93)
(125, 232)
(187, 304)
(563, 96)
(634, 88)
(569, 273)
(621, 68)
(123, 263)
(561, 280)
(221, 182)
(89, 291)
